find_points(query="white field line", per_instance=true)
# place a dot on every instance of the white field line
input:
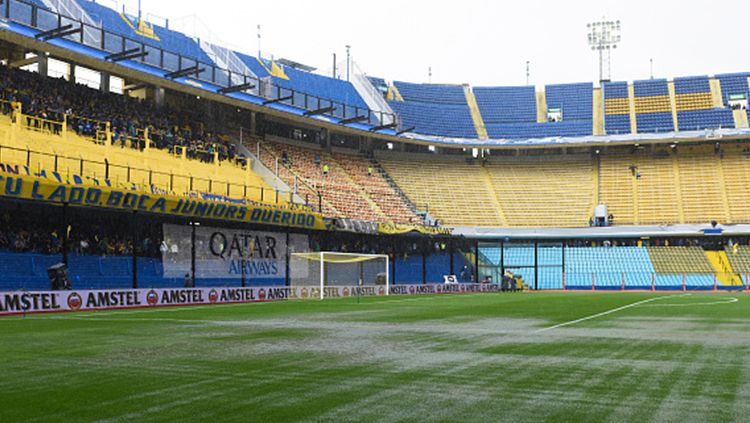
(608, 312)
(729, 300)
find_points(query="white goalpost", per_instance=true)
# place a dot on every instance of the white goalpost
(322, 274)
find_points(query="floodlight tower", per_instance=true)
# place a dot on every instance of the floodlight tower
(604, 36)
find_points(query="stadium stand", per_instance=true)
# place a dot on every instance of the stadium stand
(694, 103)
(734, 84)
(439, 110)
(436, 119)
(617, 108)
(672, 264)
(175, 141)
(608, 265)
(353, 187)
(538, 191)
(652, 106)
(428, 179)
(691, 185)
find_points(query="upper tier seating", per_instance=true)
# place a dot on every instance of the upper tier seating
(617, 108)
(506, 104)
(734, 84)
(539, 130)
(435, 119)
(432, 93)
(432, 109)
(652, 106)
(575, 100)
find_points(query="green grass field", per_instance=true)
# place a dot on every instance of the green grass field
(489, 357)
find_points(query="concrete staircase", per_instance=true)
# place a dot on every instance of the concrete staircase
(740, 119)
(598, 112)
(541, 107)
(631, 102)
(723, 268)
(716, 95)
(476, 116)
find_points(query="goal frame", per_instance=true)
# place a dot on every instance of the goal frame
(359, 284)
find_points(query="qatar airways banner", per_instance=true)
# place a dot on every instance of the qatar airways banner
(229, 253)
(14, 303)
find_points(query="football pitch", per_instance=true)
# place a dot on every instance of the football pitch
(567, 357)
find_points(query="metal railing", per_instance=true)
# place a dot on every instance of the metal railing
(76, 170)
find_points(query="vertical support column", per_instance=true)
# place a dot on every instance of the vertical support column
(450, 251)
(393, 268)
(536, 265)
(43, 63)
(322, 274)
(65, 233)
(159, 97)
(72, 73)
(192, 253)
(104, 82)
(134, 244)
(476, 261)
(424, 264)
(387, 278)
(146, 140)
(288, 280)
(252, 123)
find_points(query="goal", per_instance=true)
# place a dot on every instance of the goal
(327, 274)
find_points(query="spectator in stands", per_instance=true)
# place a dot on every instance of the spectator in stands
(44, 101)
(325, 170)
(317, 159)
(284, 158)
(369, 170)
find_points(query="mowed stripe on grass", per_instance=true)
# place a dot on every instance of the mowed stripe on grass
(439, 358)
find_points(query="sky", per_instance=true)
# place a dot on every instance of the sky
(479, 42)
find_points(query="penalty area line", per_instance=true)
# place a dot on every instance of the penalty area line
(608, 312)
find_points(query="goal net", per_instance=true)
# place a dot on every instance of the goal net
(327, 274)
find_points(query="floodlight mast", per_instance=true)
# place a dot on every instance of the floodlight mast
(604, 36)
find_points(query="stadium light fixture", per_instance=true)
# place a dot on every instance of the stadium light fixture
(604, 36)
